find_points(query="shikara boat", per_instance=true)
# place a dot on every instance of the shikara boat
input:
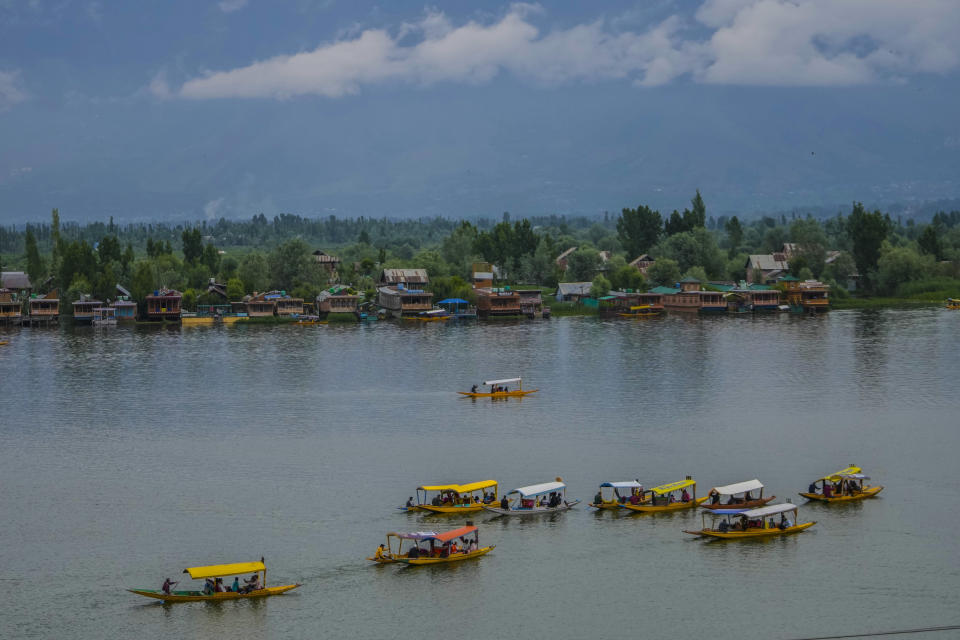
(537, 499)
(845, 485)
(737, 496)
(434, 315)
(257, 588)
(667, 497)
(953, 303)
(4, 343)
(641, 311)
(612, 494)
(499, 389)
(431, 547)
(735, 524)
(453, 498)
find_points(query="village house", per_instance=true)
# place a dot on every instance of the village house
(481, 275)
(766, 268)
(642, 263)
(573, 291)
(16, 281)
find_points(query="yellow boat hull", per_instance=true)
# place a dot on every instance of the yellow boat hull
(676, 506)
(457, 557)
(471, 508)
(866, 493)
(756, 533)
(499, 394)
(191, 321)
(613, 505)
(196, 596)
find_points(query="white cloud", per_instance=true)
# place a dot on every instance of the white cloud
(159, 87)
(11, 91)
(212, 208)
(229, 6)
(752, 42)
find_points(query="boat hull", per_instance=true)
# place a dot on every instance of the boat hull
(751, 504)
(197, 596)
(676, 506)
(471, 508)
(457, 557)
(866, 493)
(758, 533)
(499, 394)
(536, 511)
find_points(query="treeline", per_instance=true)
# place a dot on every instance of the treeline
(882, 255)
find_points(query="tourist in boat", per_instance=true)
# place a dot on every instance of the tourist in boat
(409, 502)
(598, 499)
(253, 583)
(812, 488)
(473, 389)
(378, 554)
(167, 585)
(504, 503)
(685, 497)
(714, 497)
(218, 585)
(413, 553)
(827, 490)
(235, 587)
(208, 587)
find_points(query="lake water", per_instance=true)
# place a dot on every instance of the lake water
(130, 453)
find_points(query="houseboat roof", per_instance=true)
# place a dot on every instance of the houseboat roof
(690, 280)
(393, 276)
(664, 291)
(15, 280)
(165, 293)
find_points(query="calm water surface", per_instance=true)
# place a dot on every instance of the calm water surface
(128, 454)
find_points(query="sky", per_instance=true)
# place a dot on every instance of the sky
(183, 110)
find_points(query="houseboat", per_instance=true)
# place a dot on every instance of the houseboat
(807, 296)
(287, 305)
(498, 302)
(260, 305)
(125, 310)
(83, 309)
(44, 310)
(338, 300)
(10, 307)
(531, 303)
(105, 317)
(399, 301)
(631, 304)
(691, 299)
(163, 305)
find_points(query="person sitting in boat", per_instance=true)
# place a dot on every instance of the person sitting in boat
(235, 587)
(413, 553)
(378, 554)
(812, 488)
(208, 587)
(783, 522)
(504, 503)
(747, 497)
(167, 585)
(253, 583)
(218, 585)
(827, 490)
(598, 499)
(714, 497)
(409, 502)
(724, 526)
(436, 500)
(473, 389)
(685, 497)
(635, 497)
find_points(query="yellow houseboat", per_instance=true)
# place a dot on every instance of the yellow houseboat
(499, 389)
(613, 494)
(737, 524)
(431, 547)
(453, 498)
(254, 587)
(668, 497)
(845, 485)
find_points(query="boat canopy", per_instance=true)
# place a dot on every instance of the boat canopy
(855, 476)
(673, 486)
(739, 487)
(629, 484)
(447, 536)
(835, 477)
(537, 489)
(477, 486)
(221, 570)
(504, 381)
(770, 510)
(415, 535)
(728, 512)
(439, 487)
(453, 301)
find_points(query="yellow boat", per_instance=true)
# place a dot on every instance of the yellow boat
(610, 497)
(499, 389)
(257, 590)
(737, 524)
(431, 547)
(453, 498)
(4, 343)
(660, 498)
(846, 485)
(953, 303)
(642, 311)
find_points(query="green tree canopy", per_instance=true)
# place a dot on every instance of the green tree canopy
(254, 272)
(734, 235)
(639, 229)
(867, 233)
(36, 268)
(192, 245)
(599, 287)
(582, 265)
(664, 272)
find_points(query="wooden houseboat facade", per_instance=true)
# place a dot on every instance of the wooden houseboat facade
(338, 300)
(44, 310)
(400, 301)
(810, 296)
(531, 303)
(498, 302)
(259, 306)
(163, 305)
(84, 309)
(11, 309)
(289, 306)
(125, 310)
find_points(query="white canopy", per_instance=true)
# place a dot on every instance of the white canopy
(769, 510)
(537, 489)
(504, 381)
(739, 487)
(629, 484)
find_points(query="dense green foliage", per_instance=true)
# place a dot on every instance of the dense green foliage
(891, 259)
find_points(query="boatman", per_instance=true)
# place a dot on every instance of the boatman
(504, 503)
(409, 502)
(167, 585)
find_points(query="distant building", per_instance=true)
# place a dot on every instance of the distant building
(337, 299)
(17, 281)
(766, 268)
(401, 292)
(328, 262)
(573, 291)
(481, 275)
(45, 309)
(164, 305)
(642, 263)
(405, 277)
(10, 307)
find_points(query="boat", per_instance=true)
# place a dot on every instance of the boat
(846, 485)
(537, 499)
(4, 343)
(734, 524)
(641, 311)
(953, 303)
(259, 590)
(454, 498)
(104, 316)
(499, 389)
(662, 498)
(737, 496)
(431, 547)
(309, 320)
(609, 495)
(433, 315)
